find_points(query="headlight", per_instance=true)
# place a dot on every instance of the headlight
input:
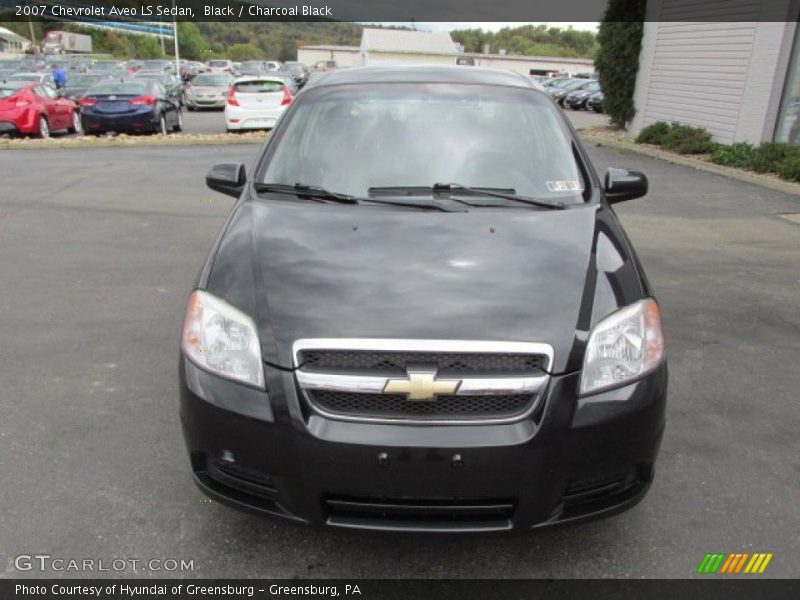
(222, 339)
(622, 347)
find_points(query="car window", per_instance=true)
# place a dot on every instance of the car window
(259, 87)
(418, 135)
(49, 92)
(159, 91)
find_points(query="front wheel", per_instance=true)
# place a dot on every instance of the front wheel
(44, 128)
(77, 124)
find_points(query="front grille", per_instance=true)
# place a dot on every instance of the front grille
(397, 406)
(448, 364)
(421, 510)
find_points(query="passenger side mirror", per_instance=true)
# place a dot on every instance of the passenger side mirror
(227, 178)
(621, 185)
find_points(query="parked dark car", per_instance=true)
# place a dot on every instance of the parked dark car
(298, 71)
(576, 99)
(560, 92)
(78, 84)
(441, 328)
(173, 84)
(595, 102)
(130, 106)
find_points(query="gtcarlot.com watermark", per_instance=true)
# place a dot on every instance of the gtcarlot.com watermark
(49, 563)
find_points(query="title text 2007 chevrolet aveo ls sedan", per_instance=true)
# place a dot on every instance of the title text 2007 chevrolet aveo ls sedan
(422, 314)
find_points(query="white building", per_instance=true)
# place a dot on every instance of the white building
(401, 46)
(11, 43)
(343, 56)
(530, 65)
(740, 79)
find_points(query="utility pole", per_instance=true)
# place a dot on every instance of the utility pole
(175, 38)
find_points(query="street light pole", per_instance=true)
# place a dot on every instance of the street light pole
(175, 38)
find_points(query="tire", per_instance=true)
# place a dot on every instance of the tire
(44, 128)
(190, 108)
(179, 126)
(77, 124)
(162, 125)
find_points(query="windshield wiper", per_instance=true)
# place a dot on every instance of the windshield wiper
(480, 191)
(302, 190)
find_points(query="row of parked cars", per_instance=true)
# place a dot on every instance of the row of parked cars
(575, 93)
(143, 96)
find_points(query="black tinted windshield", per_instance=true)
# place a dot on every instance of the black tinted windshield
(417, 135)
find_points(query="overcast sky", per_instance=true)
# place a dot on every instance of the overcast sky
(491, 26)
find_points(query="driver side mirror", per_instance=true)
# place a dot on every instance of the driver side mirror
(227, 178)
(621, 185)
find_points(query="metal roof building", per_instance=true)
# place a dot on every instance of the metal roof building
(400, 46)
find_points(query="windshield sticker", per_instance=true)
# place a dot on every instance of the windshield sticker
(565, 186)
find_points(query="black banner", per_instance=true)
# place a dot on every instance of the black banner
(404, 11)
(373, 589)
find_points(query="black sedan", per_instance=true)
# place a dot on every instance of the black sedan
(79, 84)
(443, 328)
(298, 71)
(129, 106)
(577, 99)
(595, 102)
(560, 92)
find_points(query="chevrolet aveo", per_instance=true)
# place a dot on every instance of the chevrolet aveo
(422, 314)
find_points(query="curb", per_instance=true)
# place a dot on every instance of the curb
(130, 142)
(787, 187)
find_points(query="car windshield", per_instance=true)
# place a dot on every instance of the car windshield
(210, 80)
(218, 63)
(127, 88)
(412, 135)
(294, 67)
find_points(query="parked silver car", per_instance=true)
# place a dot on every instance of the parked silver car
(207, 90)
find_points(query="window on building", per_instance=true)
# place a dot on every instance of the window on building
(788, 126)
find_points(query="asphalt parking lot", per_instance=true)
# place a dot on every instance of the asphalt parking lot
(100, 248)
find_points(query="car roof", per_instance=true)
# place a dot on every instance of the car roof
(425, 74)
(264, 77)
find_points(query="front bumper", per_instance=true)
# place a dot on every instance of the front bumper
(574, 459)
(198, 102)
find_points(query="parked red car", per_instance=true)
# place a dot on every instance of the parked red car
(36, 109)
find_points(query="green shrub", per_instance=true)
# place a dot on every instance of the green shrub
(653, 134)
(736, 155)
(789, 168)
(769, 155)
(685, 139)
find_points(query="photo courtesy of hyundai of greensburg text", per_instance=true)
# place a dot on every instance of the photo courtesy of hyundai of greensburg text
(438, 299)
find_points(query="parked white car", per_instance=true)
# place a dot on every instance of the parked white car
(256, 102)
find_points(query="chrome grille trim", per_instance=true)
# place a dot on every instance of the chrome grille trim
(309, 380)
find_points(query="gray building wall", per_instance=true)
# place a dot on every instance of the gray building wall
(726, 76)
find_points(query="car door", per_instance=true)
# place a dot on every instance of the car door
(47, 106)
(61, 109)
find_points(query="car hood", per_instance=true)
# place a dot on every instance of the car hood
(330, 271)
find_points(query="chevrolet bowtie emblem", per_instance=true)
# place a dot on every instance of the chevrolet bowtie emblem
(421, 385)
